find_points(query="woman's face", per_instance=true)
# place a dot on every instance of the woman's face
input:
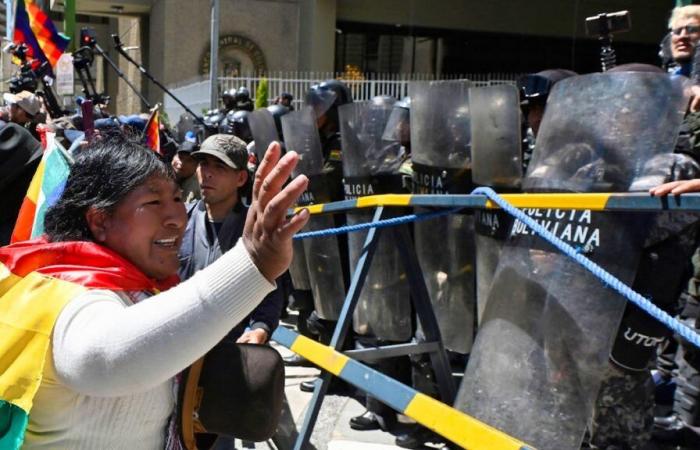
(146, 227)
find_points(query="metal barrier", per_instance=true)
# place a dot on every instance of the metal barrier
(595, 202)
(439, 417)
(446, 421)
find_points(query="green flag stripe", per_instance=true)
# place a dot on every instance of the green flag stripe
(13, 423)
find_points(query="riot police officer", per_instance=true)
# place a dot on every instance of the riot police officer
(371, 165)
(214, 119)
(324, 98)
(534, 89)
(242, 100)
(285, 99)
(548, 308)
(662, 273)
(236, 123)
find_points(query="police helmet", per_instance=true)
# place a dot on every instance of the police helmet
(238, 122)
(536, 86)
(277, 112)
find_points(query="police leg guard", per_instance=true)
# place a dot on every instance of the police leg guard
(397, 368)
(303, 303)
(323, 329)
(624, 411)
(687, 397)
(423, 376)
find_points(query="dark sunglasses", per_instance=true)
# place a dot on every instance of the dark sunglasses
(689, 29)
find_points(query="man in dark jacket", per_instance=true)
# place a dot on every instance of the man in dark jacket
(216, 223)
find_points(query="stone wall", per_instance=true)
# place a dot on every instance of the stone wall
(179, 35)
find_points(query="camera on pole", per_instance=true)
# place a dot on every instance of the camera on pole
(82, 61)
(33, 77)
(603, 26)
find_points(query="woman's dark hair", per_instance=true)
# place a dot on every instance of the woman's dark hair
(102, 175)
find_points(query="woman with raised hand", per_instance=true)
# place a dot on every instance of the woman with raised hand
(93, 325)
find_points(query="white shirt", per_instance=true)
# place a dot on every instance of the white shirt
(109, 377)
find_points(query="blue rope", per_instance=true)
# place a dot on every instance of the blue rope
(678, 327)
(378, 224)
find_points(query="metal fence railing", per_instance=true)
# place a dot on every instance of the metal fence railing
(195, 94)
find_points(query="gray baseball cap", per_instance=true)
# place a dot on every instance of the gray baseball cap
(230, 149)
(25, 100)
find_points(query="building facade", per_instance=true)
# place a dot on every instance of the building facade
(391, 36)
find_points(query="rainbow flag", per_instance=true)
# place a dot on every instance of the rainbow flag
(152, 131)
(34, 28)
(37, 279)
(44, 190)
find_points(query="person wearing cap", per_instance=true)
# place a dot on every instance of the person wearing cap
(215, 224)
(24, 108)
(185, 167)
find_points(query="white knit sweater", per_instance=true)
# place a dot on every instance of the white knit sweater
(108, 382)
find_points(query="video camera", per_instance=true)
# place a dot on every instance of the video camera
(33, 78)
(26, 79)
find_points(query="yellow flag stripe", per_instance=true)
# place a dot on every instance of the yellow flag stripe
(35, 186)
(29, 308)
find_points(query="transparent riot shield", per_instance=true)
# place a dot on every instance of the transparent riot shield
(492, 228)
(495, 128)
(370, 166)
(322, 255)
(441, 155)
(548, 327)
(604, 148)
(497, 163)
(262, 126)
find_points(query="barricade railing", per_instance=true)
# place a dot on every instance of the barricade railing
(481, 198)
(451, 423)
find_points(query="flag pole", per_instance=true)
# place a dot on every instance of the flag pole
(69, 22)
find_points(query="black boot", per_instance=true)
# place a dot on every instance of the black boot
(336, 387)
(418, 437)
(365, 422)
(297, 361)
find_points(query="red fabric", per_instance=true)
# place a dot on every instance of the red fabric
(152, 132)
(85, 263)
(25, 221)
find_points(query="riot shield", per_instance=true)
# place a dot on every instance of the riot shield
(496, 162)
(441, 155)
(548, 328)
(495, 128)
(323, 261)
(370, 166)
(611, 151)
(397, 125)
(492, 228)
(262, 126)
